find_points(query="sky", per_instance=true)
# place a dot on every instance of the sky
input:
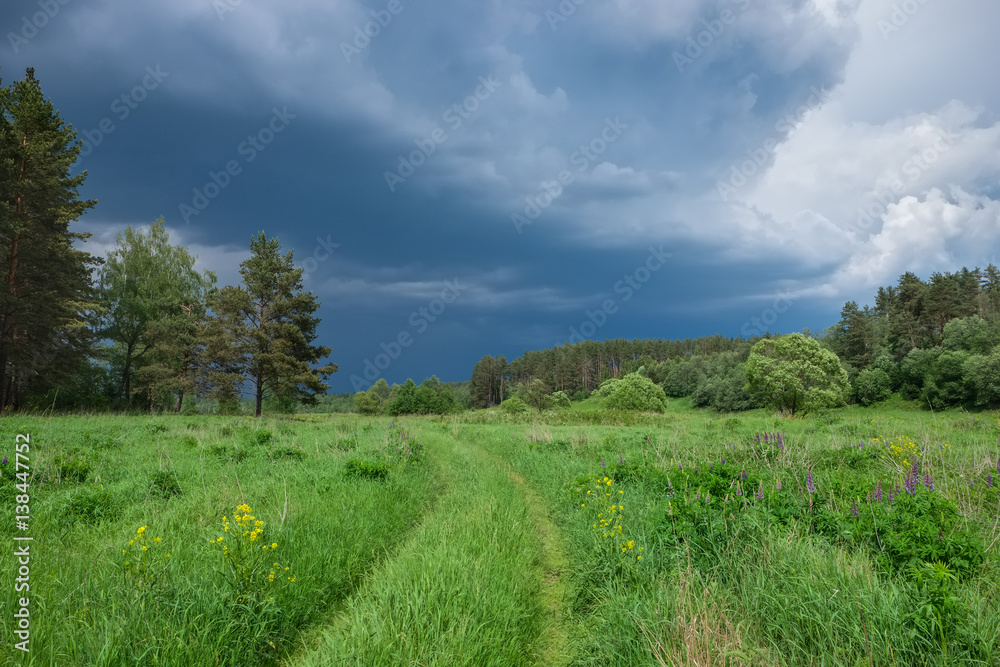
(459, 179)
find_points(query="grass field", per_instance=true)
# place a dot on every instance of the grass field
(854, 537)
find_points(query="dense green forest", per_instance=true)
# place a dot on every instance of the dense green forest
(935, 341)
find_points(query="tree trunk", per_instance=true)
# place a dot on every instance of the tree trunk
(260, 395)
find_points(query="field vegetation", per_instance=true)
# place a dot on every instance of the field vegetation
(581, 536)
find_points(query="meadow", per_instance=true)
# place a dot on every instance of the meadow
(579, 537)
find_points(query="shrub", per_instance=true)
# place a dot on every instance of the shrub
(514, 406)
(560, 399)
(358, 469)
(634, 392)
(871, 386)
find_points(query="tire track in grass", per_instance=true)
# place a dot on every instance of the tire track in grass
(497, 544)
(460, 591)
(552, 647)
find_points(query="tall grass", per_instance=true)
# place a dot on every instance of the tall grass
(98, 480)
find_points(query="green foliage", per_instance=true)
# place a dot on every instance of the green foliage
(633, 392)
(794, 374)
(73, 467)
(366, 403)
(514, 406)
(165, 484)
(360, 469)
(91, 504)
(263, 331)
(560, 399)
(871, 386)
(44, 338)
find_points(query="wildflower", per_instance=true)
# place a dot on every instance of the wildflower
(744, 474)
(928, 482)
(602, 462)
(5, 459)
(760, 491)
(854, 509)
(989, 480)
(739, 489)
(810, 485)
(878, 491)
(777, 484)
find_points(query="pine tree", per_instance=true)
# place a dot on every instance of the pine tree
(264, 329)
(47, 287)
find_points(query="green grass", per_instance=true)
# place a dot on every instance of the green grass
(475, 542)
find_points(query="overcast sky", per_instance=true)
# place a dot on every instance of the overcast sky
(489, 177)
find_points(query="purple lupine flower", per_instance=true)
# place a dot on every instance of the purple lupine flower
(739, 489)
(989, 480)
(708, 497)
(910, 484)
(5, 459)
(810, 485)
(697, 496)
(878, 491)
(777, 485)
(744, 474)
(723, 459)
(972, 483)
(602, 461)
(892, 495)
(854, 509)
(680, 467)
(928, 482)
(760, 491)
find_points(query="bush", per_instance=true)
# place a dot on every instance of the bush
(514, 406)
(560, 399)
(871, 386)
(358, 469)
(634, 392)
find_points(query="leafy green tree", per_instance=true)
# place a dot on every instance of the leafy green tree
(633, 391)
(150, 302)
(871, 386)
(795, 374)
(269, 325)
(405, 400)
(982, 376)
(366, 402)
(971, 334)
(536, 394)
(47, 285)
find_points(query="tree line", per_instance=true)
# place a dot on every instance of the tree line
(936, 341)
(140, 328)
